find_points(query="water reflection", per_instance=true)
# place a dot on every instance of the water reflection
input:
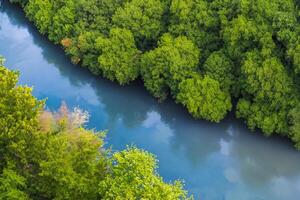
(217, 161)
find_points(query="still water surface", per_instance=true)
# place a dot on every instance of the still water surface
(217, 161)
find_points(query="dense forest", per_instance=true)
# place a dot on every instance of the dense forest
(211, 56)
(50, 155)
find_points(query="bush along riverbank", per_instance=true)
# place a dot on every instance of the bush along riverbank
(203, 53)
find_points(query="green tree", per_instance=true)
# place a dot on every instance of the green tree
(143, 18)
(62, 22)
(119, 57)
(134, 176)
(41, 13)
(219, 67)
(295, 128)
(197, 21)
(166, 66)
(11, 186)
(18, 117)
(268, 94)
(95, 15)
(70, 165)
(204, 98)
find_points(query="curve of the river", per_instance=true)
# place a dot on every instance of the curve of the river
(217, 161)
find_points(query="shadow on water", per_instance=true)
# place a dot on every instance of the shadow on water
(242, 158)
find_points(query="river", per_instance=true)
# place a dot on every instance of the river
(222, 161)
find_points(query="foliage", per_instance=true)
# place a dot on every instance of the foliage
(219, 67)
(142, 17)
(271, 87)
(40, 11)
(204, 98)
(11, 185)
(119, 57)
(18, 117)
(140, 182)
(295, 128)
(166, 66)
(195, 20)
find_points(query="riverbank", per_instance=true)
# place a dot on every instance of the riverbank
(169, 63)
(216, 161)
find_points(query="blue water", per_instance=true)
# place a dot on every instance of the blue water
(217, 161)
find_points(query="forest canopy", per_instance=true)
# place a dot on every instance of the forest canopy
(212, 56)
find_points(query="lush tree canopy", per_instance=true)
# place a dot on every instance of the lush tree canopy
(49, 155)
(166, 66)
(204, 98)
(246, 50)
(119, 56)
(139, 182)
(143, 18)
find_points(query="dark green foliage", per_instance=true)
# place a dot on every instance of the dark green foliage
(295, 128)
(249, 48)
(194, 19)
(268, 82)
(204, 98)
(143, 18)
(219, 67)
(119, 56)
(11, 186)
(41, 13)
(18, 117)
(166, 66)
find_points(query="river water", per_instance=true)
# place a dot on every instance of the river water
(217, 161)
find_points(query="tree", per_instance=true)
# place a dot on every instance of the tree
(166, 66)
(41, 13)
(219, 67)
(95, 15)
(294, 53)
(119, 56)
(268, 94)
(71, 165)
(18, 117)
(134, 176)
(63, 22)
(203, 98)
(11, 185)
(240, 35)
(197, 21)
(295, 128)
(143, 18)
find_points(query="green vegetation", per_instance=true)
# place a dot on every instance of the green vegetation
(49, 155)
(206, 54)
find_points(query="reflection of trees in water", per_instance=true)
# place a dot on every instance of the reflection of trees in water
(262, 159)
(196, 138)
(257, 160)
(14, 13)
(130, 103)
